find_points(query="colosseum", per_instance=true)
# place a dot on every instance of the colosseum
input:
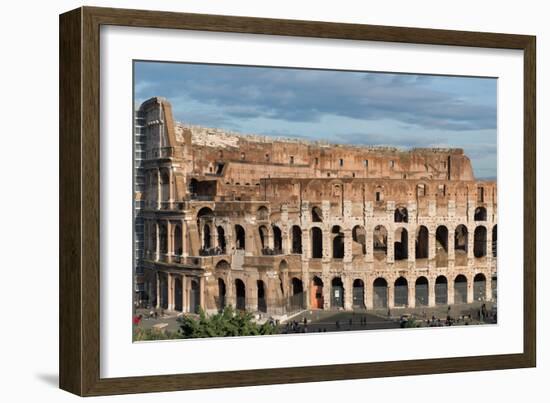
(277, 226)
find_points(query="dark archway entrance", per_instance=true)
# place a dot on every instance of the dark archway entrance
(316, 243)
(480, 241)
(461, 245)
(441, 291)
(221, 239)
(441, 246)
(421, 243)
(297, 298)
(317, 299)
(222, 292)
(358, 293)
(494, 241)
(239, 237)
(480, 287)
(163, 292)
(262, 302)
(195, 297)
(401, 293)
(380, 296)
(401, 244)
(296, 239)
(178, 295)
(240, 293)
(337, 295)
(337, 242)
(461, 289)
(421, 292)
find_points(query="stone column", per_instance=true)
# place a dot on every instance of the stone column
(157, 241)
(183, 293)
(471, 234)
(159, 191)
(158, 289)
(327, 244)
(412, 294)
(431, 292)
(391, 295)
(431, 243)
(348, 293)
(170, 238)
(470, 294)
(170, 292)
(306, 245)
(411, 247)
(183, 245)
(171, 188)
(369, 256)
(390, 247)
(488, 286)
(369, 293)
(450, 291)
(489, 246)
(348, 252)
(202, 296)
(229, 291)
(450, 243)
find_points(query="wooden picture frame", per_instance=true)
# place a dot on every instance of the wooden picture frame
(80, 184)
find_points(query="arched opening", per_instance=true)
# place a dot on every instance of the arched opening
(222, 293)
(337, 242)
(239, 237)
(154, 238)
(401, 215)
(380, 293)
(221, 238)
(316, 214)
(264, 236)
(422, 243)
(178, 247)
(317, 301)
(494, 241)
(262, 302)
(178, 295)
(421, 291)
(401, 244)
(359, 237)
(461, 245)
(262, 214)
(165, 184)
(494, 287)
(358, 293)
(316, 243)
(441, 291)
(163, 291)
(163, 238)
(461, 289)
(480, 241)
(277, 240)
(240, 292)
(195, 297)
(206, 237)
(297, 298)
(337, 295)
(380, 242)
(480, 287)
(441, 246)
(401, 292)
(480, 214)
(296, 239)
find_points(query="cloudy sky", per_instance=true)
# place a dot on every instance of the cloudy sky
(403, 110)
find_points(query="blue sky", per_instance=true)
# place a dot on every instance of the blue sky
(403, 110)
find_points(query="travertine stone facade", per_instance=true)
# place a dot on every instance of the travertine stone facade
(276, 226)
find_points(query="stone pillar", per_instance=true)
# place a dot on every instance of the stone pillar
(471, 234)
(431, 292)
(251, 300)
(489, 246)
(158, 289)
(327, 244)
(202, 296)
(348, 252)
(171, 188)
(450, 243)
(390, 247)
(157, 243)
(183, 245)
(348, 293)
(170, 236)
(488, 286)
(229, 292)
(369, 294)
(369, 256)
(431, 243)
(159, 191)
(391, 295)
(170, 292)
(183, 293)
(412, 294)
(450, 291)
(306, 245)
(411, 250)
(470, 294)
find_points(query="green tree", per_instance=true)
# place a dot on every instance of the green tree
(226, 323)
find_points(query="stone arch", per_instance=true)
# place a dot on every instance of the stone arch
(317, 298)
(480, 214)
(337, 293)
(421, 291)
(480, 287)
(358, 300)
(240, 295)
(337, 242)
(316, 214)
(380, 293)
(240, 237)
(261, 294)
(461, 245)
(422, 243)
(222, 294)
(441, 291)
(461, 289)
(222, 243)
(401, 214)
(441, 246)
(277, 239)
(262, 214)
(380, 241)
(480, 241)
(223, 265)
(401, 292)
(316, 243)
(401, 244)
(296, 239)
